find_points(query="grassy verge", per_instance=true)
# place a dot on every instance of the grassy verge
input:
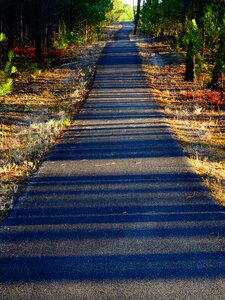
(193, 114)
(42, 104)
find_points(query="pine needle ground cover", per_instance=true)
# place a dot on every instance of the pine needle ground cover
(195, 114)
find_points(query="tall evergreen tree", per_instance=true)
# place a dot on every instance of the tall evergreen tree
(198, 27)
(39, 22)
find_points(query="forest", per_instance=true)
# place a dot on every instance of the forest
(41, 27)
(38, 28)
(196, 27)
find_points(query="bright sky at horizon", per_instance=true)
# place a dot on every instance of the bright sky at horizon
(129, 2)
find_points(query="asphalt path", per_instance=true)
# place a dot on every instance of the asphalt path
(115, 211)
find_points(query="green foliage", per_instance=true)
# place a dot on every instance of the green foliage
(6, 87)
(127, 14)
(2, 37)
(120, 12)
(63, 39)
(5, 81)
(194, 37)
(37, 24)
(197, 27)
(9, 69)
(151, 17)
(28, 68)
(87, 33)
(213, 29)
(86, 26)
(115, 11)
(67, 122)
(161, 17)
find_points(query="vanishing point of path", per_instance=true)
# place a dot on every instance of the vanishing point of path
(115, 212)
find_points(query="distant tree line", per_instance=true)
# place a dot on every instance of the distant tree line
(120, 12)
(196, 26)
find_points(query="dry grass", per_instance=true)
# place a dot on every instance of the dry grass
(192, 113)
(42, 104)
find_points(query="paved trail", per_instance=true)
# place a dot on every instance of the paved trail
(115, 212)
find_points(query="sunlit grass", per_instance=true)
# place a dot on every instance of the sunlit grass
(195, 121)
(34, 116)
(43, 103)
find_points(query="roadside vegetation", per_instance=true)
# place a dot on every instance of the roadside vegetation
(120, 12)
(46, 70)
(184, 59)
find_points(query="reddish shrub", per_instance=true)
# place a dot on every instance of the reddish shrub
(187, 96)
(215, 98)
(28, 52)
(72, 45)
(55, 53)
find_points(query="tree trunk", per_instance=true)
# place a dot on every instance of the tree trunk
(216, 83)
(38, 28)
(70, 16)
(217, 74)
(10, 33)
(137, 17)
(21, 25)
(190, 64)
(190, 59)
